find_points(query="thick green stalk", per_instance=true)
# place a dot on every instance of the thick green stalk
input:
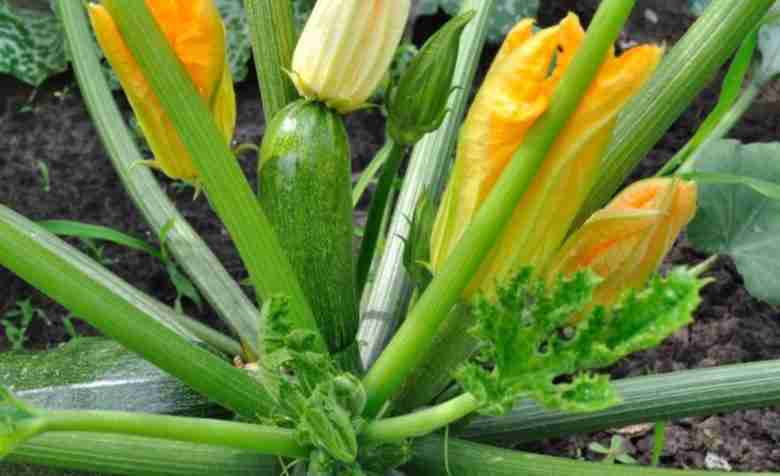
(121, 312)
(390, 290)
(433, 456)
(420, 423)
(700, 392)
(414, 338)
(225, 184)
(222, 292)
(273, 36)
(263, 439)
(134, 456)
(377, 212)
(685, 71)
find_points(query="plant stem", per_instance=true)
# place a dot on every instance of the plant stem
(136, 456)
(420, 423)
(415, 337)
(121, 312)
(223, 180)
(273, 37)
(688, 393)
(246, 436)
(376, 213)
(432, 454)
(685, 71)
(659, 442)
(724, 126)
(202, 266)
(389, 293)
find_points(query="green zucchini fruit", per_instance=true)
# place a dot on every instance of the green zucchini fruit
(305, 180)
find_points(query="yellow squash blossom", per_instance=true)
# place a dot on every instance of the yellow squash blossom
(625, 242)
(195, 31)
(346, 48)
(516, 92)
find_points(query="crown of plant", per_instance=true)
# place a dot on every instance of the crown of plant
(195, 31)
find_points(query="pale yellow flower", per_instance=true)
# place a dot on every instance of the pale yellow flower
(346, 48)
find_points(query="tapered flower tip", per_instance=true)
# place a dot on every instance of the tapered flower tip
(346, 48)
(194, 30)
(626, 241)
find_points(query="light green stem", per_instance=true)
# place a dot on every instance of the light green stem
(420, 423)
(414, 338)
(223, 180)
(727, 122)
(263, 439)
(377, 212)
(273, 37)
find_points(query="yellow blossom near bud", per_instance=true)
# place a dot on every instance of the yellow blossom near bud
(516, 92)
(195, 31)
(626, 241)
(346, 48)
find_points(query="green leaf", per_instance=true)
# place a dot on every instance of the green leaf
(737, 220)
(527, 336)
(96, 232)
(31, 44)
(506, 14)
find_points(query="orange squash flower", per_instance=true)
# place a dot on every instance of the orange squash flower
(626, 241)
(195, 31)
(516, 92)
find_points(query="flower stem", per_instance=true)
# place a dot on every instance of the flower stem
(415, 337)
(273, 36)
(377, 212)
(263, 439)
(420, 423)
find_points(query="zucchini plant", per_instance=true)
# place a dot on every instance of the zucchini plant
(513, 284)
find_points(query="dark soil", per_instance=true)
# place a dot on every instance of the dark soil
(50, 128)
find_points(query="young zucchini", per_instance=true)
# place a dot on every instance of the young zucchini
(305, 189)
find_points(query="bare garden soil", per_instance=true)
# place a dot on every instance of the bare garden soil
(49, 129)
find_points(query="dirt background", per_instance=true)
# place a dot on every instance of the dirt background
(50, 126)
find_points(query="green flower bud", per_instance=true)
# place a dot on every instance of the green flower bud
(417, 105)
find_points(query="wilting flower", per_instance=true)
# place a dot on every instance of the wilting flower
(195, 32)
(516, 92)
(625, 242)
(346, 48)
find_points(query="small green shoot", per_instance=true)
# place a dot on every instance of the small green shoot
(615, 453)
(17, 321)
(43, 170)
(659, 442)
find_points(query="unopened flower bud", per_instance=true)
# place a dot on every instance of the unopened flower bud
(418, 103)
(345, 49)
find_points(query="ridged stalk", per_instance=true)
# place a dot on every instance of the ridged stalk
(133, 456)
(432, 457)
(700, 392)
(683, 74)
(205, 270)
(389, 292)
(273, 36)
